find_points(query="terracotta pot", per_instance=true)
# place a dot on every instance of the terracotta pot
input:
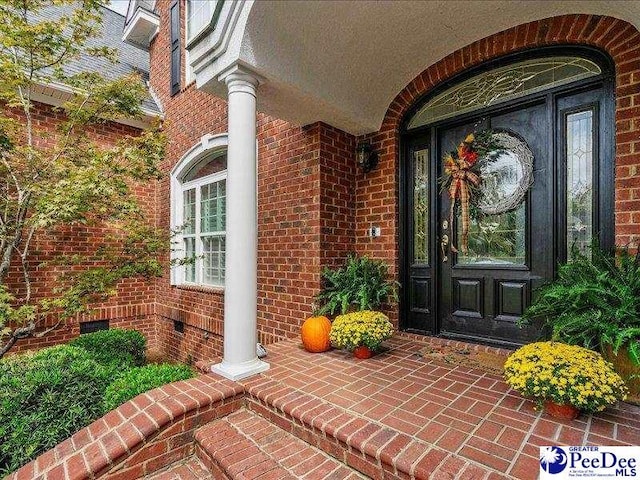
(629, 372)
(567, 412)
(362, 352)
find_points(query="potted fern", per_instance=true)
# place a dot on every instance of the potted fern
(361, 284)
(595, 303)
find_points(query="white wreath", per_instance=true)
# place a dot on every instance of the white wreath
(517, 162)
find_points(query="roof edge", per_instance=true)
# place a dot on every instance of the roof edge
(55, 94)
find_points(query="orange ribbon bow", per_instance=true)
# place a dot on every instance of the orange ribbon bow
(461, 174)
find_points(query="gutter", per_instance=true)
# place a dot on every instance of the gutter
(56, 93)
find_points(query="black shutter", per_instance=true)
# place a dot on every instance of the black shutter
(175, 47)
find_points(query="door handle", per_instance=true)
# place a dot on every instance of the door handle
(444, 243)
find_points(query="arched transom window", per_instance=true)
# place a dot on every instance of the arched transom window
(198, 212)
(503, 84)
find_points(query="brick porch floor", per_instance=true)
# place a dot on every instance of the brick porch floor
(430, 419)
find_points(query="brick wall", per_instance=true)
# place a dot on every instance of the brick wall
(133, 304)
(305, 213)
(337, 195)
(377, 193)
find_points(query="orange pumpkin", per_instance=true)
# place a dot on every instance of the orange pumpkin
(315, 334)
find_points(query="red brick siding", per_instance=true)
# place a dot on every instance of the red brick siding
(305, 213)
(195, 343)
(132, 306)
(377, 193)
(337, 195)
(288, 225)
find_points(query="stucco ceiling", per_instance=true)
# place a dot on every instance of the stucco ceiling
(344, 62)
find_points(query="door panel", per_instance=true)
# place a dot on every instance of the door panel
(484, 292)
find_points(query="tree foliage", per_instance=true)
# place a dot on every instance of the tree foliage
(52, 181)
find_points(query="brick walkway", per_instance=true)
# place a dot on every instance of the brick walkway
(470, 415)
(321, 416)
(397, 415)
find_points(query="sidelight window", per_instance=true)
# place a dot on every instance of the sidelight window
(579, 155)
(421, 206)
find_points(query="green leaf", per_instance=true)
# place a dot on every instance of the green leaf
(595, 301)
(634, 352)
(361, 281)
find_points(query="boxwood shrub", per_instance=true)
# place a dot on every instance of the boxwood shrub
(140, 379)
(44, 398)
(123, 348)
(47, 396)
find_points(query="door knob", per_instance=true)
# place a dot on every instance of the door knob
(444, 243)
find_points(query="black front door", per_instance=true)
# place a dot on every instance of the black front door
(480, 295)
(485, 291)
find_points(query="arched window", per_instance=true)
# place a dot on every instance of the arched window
(198, 213)
(503, 84)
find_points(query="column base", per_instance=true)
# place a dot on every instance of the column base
(240, 371)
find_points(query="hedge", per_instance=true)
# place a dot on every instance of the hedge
(140, 379)
(123, 348)
(49, 395)
(44, 398)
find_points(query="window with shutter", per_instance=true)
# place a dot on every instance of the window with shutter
(175, 47)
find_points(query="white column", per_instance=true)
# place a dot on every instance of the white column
(241, 282)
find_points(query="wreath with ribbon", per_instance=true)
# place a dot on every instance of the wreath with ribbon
(463, 175)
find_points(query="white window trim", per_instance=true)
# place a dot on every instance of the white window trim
(208, 145)
(205, 26)
(189, 74)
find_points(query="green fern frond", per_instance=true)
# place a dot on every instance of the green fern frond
(362, 283)
(594, 301)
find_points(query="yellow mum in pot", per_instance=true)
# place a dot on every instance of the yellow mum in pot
(564, 374)
(366, 328)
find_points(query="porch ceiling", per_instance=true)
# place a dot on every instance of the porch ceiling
(344, 62)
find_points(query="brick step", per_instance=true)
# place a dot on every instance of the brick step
(244, 445)
(377, 450)
(190, 468)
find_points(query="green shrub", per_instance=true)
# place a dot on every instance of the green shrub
(361, 283)
(44, 398)
(595, 301)
(122, 348)
(140, 379)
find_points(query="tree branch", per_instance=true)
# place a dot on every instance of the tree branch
(17, 334)
(48, 329)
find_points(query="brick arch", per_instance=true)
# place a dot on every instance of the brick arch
(377, 193)
(618, 38)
